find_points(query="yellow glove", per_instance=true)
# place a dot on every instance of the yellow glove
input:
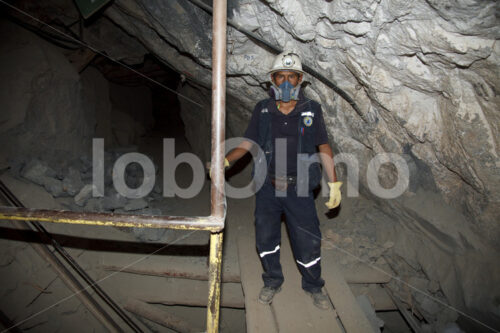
(335, 195)
(209, 166)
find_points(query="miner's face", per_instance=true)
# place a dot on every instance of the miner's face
(293, 77)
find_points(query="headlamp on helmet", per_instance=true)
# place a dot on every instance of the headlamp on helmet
(287, 61)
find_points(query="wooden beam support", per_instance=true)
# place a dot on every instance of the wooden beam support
(158, 316)
(350, 313)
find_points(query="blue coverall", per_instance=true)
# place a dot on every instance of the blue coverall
(304, 130)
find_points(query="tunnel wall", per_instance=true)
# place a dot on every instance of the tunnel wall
(425, 77)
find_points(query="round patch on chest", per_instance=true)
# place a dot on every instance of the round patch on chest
(308, 121)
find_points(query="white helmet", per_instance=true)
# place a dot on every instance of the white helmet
(287, 61)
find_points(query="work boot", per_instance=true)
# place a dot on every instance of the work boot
(320, 300)
(267, 293)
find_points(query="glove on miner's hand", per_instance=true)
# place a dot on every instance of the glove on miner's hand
(335, 195)
(209, 166)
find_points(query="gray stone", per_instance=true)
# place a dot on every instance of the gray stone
(433, 287)
(84, 195)
(430, 306)
(40, 173)
(94, 205)
(68, 203)
(37, 171)
(86, 163)
(388, 245)
(72, 182)
(158, 187)
(135, 204)
(53, 186)
(114, 201)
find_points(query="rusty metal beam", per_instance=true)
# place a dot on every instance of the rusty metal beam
(209, 223)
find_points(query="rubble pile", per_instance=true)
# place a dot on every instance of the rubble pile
(71, 185)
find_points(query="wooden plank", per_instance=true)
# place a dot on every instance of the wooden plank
(259, 317)
(351, 315)
(172, 291)
(174, 266)
(194, 293)
(294, 309)
(158, 316)
(196, 273)
(377, 295)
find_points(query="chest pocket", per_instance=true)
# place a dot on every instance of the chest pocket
(288, 127)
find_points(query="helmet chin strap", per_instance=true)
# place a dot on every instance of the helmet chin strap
(286, 92)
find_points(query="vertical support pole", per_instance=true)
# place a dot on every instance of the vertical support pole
(217, 196)
(214, 281)
(218, 107)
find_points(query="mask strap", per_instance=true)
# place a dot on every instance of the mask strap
(294, 93)
(277, 92)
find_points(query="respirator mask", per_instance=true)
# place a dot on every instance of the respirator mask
(286, 91)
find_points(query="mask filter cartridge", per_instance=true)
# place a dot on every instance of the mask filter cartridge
(286, 89)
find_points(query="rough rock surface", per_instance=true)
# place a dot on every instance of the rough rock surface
(84, 195)
(72, 182)
(131, 113)
(135, 204)
(51, 112)
(424, 74)
(43, 112)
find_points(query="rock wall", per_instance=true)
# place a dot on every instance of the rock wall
(198, 136)
(424, 73)
(425, 76)
(52, 112)
(43, 110)
(96, 92)
(131, 111)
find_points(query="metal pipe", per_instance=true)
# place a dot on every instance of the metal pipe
(276, 50)
(70, 261)
(218, 107)
(209, 223)
(217, 195)
(214, 281)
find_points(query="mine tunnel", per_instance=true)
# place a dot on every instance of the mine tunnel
(107, 114)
